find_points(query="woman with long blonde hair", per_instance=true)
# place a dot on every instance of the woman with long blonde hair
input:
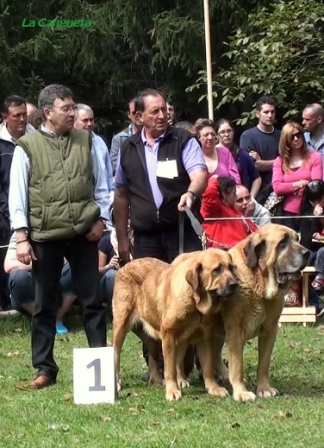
(293, 169)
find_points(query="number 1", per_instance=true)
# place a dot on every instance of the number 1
(98, 387)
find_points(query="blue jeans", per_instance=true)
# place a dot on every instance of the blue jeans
(22, 291)
(107, 283)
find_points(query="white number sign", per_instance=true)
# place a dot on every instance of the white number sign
(94, 379)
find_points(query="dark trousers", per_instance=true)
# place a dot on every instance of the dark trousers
(4, 289)
(164, 246)
(83, 258)
(290, 221)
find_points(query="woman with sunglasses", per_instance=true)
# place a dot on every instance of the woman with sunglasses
(250, 176)
(293, 169)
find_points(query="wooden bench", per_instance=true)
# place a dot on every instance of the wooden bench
(305, 314)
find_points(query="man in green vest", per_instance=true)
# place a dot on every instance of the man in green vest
(54, 202)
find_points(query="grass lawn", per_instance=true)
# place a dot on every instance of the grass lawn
(142, 418)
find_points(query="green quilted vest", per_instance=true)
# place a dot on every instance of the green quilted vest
(61, 202)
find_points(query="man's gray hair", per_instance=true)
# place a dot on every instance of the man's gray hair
(79, 107)
(49, 94)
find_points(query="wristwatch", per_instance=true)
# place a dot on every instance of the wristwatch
(22, 229)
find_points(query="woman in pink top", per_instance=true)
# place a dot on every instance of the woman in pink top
(218, 160)
(293, 169)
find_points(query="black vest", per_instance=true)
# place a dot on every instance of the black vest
(143, 212)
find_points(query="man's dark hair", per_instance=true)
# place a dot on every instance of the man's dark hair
(264, 100)
(225, 184)
(133, 100)
(140, 99)
(49, 94)
(12, 100)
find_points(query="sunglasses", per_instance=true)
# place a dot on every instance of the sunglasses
(245, 198)
(297, 135)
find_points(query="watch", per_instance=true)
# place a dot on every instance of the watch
(22, 229)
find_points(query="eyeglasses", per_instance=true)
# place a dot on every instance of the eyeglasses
(245, 198)
(297, 135)
(226, 132)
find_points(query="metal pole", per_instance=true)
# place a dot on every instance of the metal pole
(208, 62)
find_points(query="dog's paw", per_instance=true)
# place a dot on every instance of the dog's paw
(183, 383)
(244, 395)
(217, 391)
(173, 394)
(266, 392)
(119, 385)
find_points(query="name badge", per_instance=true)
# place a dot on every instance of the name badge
(167, 169)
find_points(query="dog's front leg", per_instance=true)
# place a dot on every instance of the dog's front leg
(170, 368)
(205, 351)
(181, 355)
(235, 347)
(265, 344)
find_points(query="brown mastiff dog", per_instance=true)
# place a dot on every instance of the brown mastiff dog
(171, 303)
(265, 264)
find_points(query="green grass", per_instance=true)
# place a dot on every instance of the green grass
(142, 418)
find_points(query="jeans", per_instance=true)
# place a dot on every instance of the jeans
(107, 283)
(316, 258)
(22, 291)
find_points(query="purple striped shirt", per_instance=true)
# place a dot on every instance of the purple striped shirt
(192, 159)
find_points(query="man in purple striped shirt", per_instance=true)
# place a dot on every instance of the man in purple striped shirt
(159, 170)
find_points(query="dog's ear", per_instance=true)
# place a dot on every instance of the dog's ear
(193, 276)
(254, 250)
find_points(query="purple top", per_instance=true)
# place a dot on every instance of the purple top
(192, 159)
(226, 165)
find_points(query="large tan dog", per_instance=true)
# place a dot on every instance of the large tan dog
(265, 265)
(171, 303)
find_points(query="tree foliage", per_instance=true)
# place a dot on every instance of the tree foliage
(279, 52)
(134, 44)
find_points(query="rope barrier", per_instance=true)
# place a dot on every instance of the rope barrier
(256, 218)
(233, 218)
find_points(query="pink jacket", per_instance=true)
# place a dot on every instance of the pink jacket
(282, 182)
